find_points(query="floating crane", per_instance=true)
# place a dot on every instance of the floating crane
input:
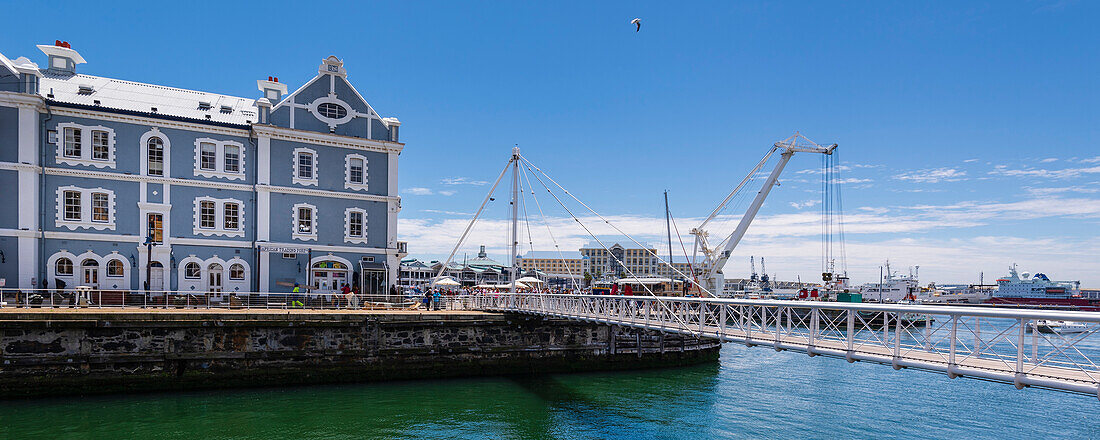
(715, 255)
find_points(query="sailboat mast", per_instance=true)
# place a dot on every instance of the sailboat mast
(668, 229)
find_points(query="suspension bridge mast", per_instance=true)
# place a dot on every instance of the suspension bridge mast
(715, 256)
(515, 217)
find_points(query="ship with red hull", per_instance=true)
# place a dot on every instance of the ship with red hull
(1039, 291)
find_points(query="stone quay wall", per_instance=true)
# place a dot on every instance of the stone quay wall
(61, 352)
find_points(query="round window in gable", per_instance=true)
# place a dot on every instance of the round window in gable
(332, 111)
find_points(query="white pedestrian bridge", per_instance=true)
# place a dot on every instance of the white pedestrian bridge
(1026, 347)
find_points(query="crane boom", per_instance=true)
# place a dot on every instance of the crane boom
(714, 259)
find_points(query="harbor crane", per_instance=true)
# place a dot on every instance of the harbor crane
(715, 255)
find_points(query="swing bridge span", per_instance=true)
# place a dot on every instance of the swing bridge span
(995, 344)
(1051, 349)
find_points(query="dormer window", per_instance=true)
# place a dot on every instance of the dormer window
(203, 105)
(226, 109)
(85, 90)
(332, 111)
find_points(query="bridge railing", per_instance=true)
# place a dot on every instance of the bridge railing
(1025, 347)
(199, 299)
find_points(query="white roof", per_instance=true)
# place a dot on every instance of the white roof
(140, 97)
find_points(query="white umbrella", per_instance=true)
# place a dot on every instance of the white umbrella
(446, 282)
(530, 280)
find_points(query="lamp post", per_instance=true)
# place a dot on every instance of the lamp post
(149, 243)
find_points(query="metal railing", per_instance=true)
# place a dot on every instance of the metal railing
(99, 299)
(1025, 347)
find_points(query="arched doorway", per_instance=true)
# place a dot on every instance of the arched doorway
(214, 278)
(329, 276)
(90, 273)
(156, 276)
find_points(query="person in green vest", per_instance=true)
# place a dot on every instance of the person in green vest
(296, 299)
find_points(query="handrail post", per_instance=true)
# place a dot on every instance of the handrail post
(851, 331)
(954, 341)
(722, 320)
(1020, 349)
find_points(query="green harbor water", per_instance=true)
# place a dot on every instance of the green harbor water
(750, 393)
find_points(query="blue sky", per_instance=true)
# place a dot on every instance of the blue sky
(969, 128)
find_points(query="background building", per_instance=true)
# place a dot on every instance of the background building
(114, 184)
(600, 263)
(552, 262)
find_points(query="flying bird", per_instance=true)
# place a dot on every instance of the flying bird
(637, 22)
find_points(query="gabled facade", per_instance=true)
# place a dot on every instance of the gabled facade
(120, 185)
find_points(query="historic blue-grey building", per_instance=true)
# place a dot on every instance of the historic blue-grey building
(112, 184)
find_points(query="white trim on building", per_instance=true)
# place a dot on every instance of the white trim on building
(222, 161)
(303, 232)
(363, 183)
(296, 161)
(83, 210)
(219, 225)
(80, 144)
(361, 237)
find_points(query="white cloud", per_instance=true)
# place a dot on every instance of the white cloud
(1049, 160)
(436, 211)
(791, 241)
(970, 160)
(463, 181)
(447, 193)
(1091, 160)
(933, 175)
(418, 191)
(1065, 173)
(1064, 189)
(804, 204)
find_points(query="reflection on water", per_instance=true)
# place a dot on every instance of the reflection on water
(751, 393)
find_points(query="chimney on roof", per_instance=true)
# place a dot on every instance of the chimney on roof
(272, 88)
(62, 57)
(264, 107)
(394, 126)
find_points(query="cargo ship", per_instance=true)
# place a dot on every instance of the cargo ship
(1039, 291)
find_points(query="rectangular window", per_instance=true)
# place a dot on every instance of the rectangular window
(99, 207)
(305, 166)
(208, 156)
(99, 145)
(72, 142)
(232, 159)
(206, 215)
(72, 205)
(355, 171)
(355, 224)
(290, 256)
(156, 157)
(232, 216)
(305, 221)
(156, 228)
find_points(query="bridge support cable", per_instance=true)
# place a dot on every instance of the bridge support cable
(473, 220)
(549, 231)
(667, 308)
(690, 258)
(612, 225)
